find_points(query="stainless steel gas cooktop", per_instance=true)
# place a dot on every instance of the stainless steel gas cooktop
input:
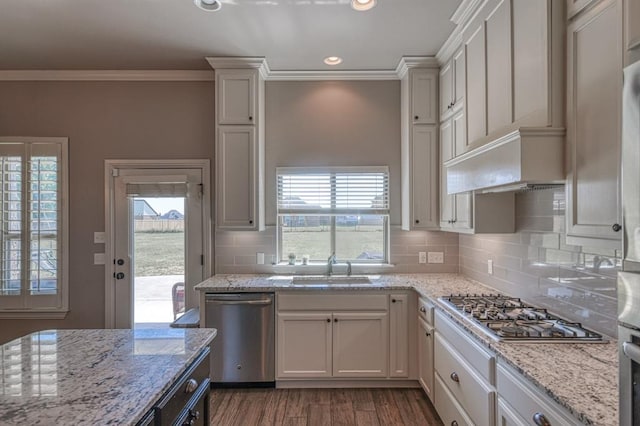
(510, 319)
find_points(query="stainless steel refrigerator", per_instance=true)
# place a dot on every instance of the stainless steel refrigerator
(629, 279)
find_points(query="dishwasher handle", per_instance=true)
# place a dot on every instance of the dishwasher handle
(222, 301)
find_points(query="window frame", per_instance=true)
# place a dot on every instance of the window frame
(60, 306)
(281, 257)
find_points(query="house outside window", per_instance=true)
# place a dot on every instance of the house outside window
(341, 210)
(34, 220)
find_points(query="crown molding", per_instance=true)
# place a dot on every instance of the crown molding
(465, 11)
(240, 62)
(332, 75)
(408, 62)
(105, 75)
(450, 46)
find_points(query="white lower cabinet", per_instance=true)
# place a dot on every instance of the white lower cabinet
(399, 335)
(425, 357)
(521, 403)
(449, 409)
(323, 336)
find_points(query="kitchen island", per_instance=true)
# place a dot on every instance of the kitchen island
(580, 377)
(91, 377)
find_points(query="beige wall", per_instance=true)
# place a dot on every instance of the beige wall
(103, 120)
(333, 123)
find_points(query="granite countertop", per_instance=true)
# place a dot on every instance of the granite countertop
(88, 377)
(582, 377)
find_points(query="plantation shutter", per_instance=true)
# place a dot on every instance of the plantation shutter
(333, 191)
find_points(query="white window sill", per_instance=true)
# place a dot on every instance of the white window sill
(33, 314)
(340, 268)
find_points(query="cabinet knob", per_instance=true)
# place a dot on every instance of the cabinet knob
(454, 423)
(191, 386)
(417, 221)
(540, 420)
(416, 117)
(454, 376)
(328, 319)
(393, 300)
(335, 320)
(250, 118)
(426, 333)
(616, 227)
(250, 222)
(423, 309)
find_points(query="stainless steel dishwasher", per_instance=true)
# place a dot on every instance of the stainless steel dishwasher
(244, 349)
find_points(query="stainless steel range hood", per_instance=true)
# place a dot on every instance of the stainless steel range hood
(519, 160)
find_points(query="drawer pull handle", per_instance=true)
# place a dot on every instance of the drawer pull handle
(423, 309)
(191, 386)
(540, 420)
(454, 376)
(454, 423)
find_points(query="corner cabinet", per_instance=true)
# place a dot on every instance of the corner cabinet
(239, 143)
(594, 102)
(419, 143)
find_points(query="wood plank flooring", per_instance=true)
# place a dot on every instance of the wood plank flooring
(310, 407)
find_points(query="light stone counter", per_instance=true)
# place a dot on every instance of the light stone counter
(581, 377)
(92, 377)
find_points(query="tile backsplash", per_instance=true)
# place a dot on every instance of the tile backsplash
(536, 264)
(236, 252)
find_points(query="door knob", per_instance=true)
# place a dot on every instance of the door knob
(120, 262)
(616, 227)
(119, 275)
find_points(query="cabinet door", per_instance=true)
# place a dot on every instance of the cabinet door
(462, 203)
(425, 357)
(236, 156)
(360, 344)
(304, 344)
(398, 335)
(476, 96)
(424, 177)
(446, 153)
(593, 133)
(498, 35)
(459, 79)
(575, 6)
(423, 94)
(236, 96)
(446, 89)
(632, 27)
(506, 416)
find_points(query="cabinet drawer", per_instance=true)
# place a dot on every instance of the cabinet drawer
(527, 401)
(476, 356)
(447, 407)
(425, 310)
(470, 390)
(332, 301)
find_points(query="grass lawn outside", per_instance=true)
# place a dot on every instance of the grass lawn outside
(159, 253)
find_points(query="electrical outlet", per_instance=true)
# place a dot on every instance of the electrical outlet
(260, 258)
(436, 257)
(490, 267)
(422, 257)
(98, 258)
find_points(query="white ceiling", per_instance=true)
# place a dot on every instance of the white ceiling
(175, 34)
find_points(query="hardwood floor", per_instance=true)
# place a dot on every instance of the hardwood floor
(246, 407)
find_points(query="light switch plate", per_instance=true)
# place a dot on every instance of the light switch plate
(490, 267)
(436, 257)
(260, 258)
(98, 258)
(422, 257)
(99, 238)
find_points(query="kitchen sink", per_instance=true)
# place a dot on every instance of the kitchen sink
(324, 280)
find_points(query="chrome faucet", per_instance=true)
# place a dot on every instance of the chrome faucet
(330, 262)
(348, 268)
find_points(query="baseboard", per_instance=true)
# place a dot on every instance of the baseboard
(348, 383)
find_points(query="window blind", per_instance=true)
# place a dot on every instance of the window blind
(333, 191)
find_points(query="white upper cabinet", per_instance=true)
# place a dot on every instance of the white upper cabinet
(576, 6)
(240, 203)
(419, 144)
(452, 85)
(514, 53)
(236, 95)
(424, 84)
(498, 62)
(593, 132)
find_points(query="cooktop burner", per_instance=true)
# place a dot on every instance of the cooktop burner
(509, 318)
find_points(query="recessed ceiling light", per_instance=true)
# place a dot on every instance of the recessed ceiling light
(208, 5)
(362, 5)
(333, 60)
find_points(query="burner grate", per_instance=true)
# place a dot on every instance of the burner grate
(509, 318)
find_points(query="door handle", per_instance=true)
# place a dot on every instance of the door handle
(239, 302)
(119, 275)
